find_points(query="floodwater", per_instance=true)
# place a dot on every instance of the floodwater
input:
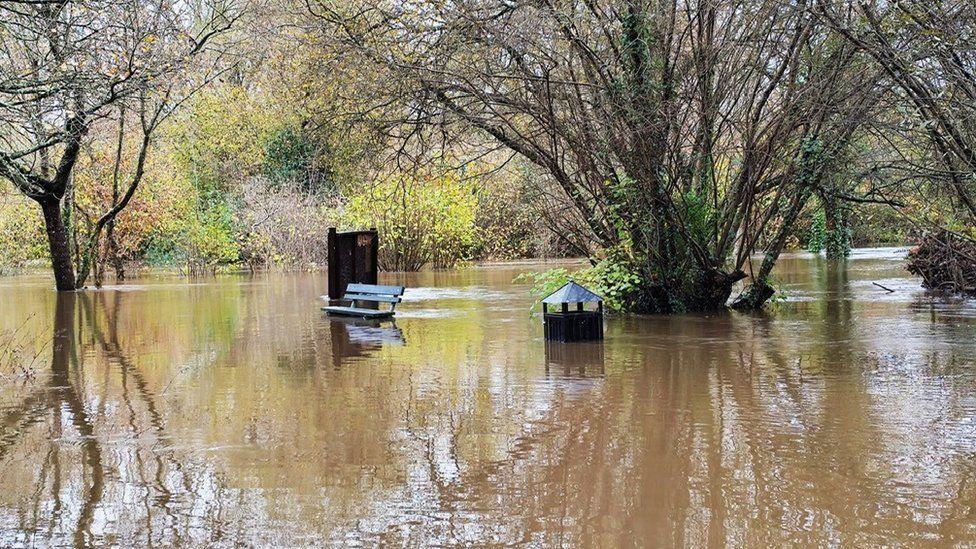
(234, 412)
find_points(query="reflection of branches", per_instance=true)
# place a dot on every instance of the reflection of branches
(18, 419)
(65, 392)
(49, 459)
(15, 353)
(61, 396)
(112, 350)
(438, 437)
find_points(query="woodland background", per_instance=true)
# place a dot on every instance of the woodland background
(668, 142)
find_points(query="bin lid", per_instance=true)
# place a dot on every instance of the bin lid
(572, 292)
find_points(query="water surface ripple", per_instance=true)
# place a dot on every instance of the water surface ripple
(233, 412)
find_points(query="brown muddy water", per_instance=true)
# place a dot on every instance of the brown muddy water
(234, 412)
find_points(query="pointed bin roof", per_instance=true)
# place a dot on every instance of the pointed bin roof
(572, 292)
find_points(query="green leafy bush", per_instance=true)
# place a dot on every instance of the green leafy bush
(22, 237)
(614, 278)
(289, 156)
(200, 241)
(817, 237)
(210, 241)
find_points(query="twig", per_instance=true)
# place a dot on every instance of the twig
(887, 289)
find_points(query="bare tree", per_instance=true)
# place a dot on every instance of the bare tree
(65, 65)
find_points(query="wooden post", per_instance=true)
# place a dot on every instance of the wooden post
(352, 259)
(375, 252)
(335, 292)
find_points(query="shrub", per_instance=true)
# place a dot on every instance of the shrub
(22, 237)
(290, 158)
(508, 225)
(614, 278)
(421, 220)
(210, 241)
(283, 225)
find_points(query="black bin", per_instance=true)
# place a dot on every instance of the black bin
(576, 323)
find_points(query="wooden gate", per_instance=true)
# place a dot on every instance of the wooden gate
(352, 259)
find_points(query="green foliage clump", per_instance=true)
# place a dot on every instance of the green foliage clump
(22, 237)
(613, 278)
(684, 272)
(780, 293)
(838, 243)
(202, 239)
(665, 249)
(817, 237)
(210, 241)
(289, 156)
(421, 220)
(699, 216)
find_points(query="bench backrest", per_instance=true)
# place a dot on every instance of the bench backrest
(372, 292)
(374, 289)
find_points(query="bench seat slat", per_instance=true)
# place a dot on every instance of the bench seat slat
(374, 289)
(355, 311)
(372, 297)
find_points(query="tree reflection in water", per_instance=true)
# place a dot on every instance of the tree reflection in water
(92, 454)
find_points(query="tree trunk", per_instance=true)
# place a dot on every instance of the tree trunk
(710, 292)
(109, 253)
(113, 249)
(754, 296)
(57, 238)
(838, 244)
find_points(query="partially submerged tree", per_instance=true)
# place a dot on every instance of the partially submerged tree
(66, 65)
(677, 136)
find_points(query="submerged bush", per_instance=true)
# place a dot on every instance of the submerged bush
(614, 278)
(211, 241)
(946, 261)
(199, 241)
(508, 223)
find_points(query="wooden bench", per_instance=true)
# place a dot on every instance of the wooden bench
(363, 293)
